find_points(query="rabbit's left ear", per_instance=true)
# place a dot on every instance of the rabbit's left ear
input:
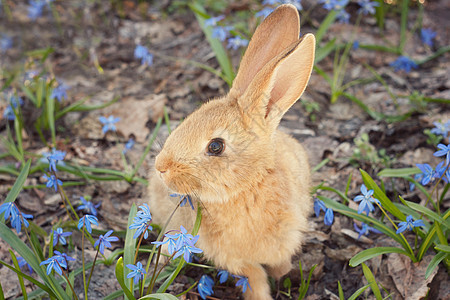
(280, 83)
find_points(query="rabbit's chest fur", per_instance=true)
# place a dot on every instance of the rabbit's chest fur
(263, 225)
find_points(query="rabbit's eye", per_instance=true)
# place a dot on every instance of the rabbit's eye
(216, 147)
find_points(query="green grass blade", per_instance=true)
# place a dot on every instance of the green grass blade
(367, 254)
(2, 295)
(372, 282)
(17, 187)
(427, 242)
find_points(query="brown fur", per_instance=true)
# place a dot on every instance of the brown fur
(255, 196)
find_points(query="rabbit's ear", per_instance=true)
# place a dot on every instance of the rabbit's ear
(279, 84)
(279, 30)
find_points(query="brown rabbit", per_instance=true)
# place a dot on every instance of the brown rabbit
(251, 180)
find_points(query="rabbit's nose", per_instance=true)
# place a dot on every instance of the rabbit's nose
(161, 164)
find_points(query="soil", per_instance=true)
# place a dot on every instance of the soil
(90, 33)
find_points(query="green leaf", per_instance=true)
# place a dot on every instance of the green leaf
(50, 108)
(372, 252)
(372, 282)
(378, 194)
(429, 213)
(160, 296)
(2, 295)
(78, 106)
(323, 52)
(427, 242)
(405, 172)
(356, 294)
(120, 278)
(130, 246)
(342, 209)
(341, 291)
(443, 248)
(22, 285)
(29, 278)
(326, 23)
(216, 45)
(435, 262)
(20, 247)
(17, 187)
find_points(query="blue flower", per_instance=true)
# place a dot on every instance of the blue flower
(17, 218)
(427, 35)
(88, 206)
(10, 209)
(105, 241)
(355, 45)
(441, 168)
(427, 173)
(329, 217)
(329, 214)
(271, 2)
(366, 200)
(55, 263)
(184, 199)
(404, 63)
(14, 102)
(409, 224)
(35, 9)
(129, 145)
(64, 256)
(182, 243)
(334, 4)
(441, 129)
(365, 229)
(142, 221)
(144, 55)
(87, 221)
(343, 17)
(108, 123)
(418, 178)
(223, 276)
(205, 286)
(54, 157)
(59, 92)
(243, 281)
(237, 42)
(213, 20)
(367, 7)
(296, 3)
(137, 272)
(22, 262)
(220, 32)
(445, 151)
(52, 181)
(60, 236)
(264, 12)
(6, 42)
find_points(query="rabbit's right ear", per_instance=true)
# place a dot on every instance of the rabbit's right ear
(279, 30)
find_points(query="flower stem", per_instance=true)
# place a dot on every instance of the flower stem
(68, 281)
(84, 267)
(396, 228)
(92, 268)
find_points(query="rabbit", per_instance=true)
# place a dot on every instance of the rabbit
(251, 180)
